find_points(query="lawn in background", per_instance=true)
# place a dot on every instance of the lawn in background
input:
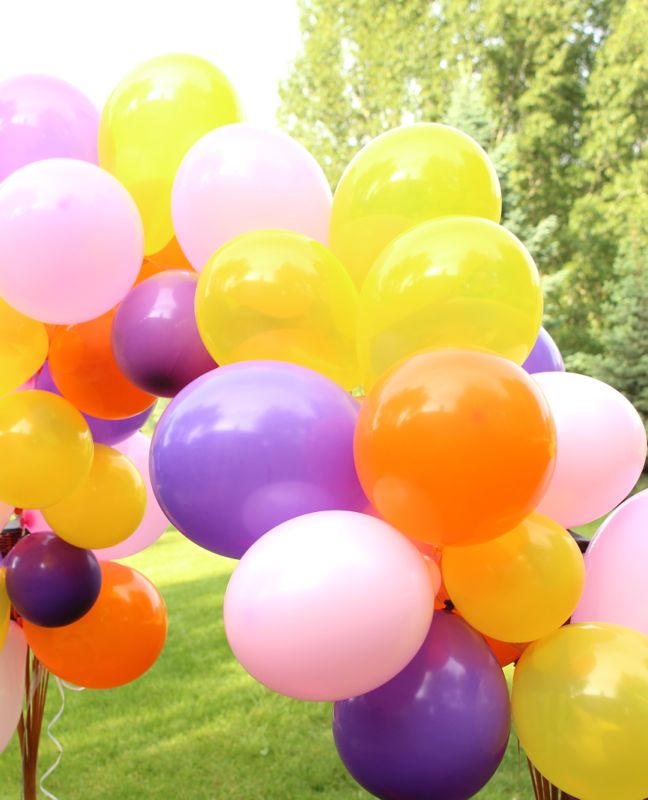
(196, 726)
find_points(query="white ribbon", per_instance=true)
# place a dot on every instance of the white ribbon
(62, 686)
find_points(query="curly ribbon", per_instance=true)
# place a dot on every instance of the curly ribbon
(62, 686)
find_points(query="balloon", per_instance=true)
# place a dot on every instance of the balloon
(249, 446)
(50, 582)
(118, 640)
(452, 282)
(45, 449)
(328, 605)
(23, 347)
(601, 448)
(104, 431)
(70, 241)
(84, 369)
(407, 176)
(241, 178)
(5, 512)
(151, 120)
(5, 605)
(13, 657)
(545, 355)
(106, 507)
(171, 257)
(154, 522)
(44, 117)
(438, 730)
(454, 447)
(155, 340)
(519, 587)
(580, 711)
(505, 652)
(279, 295)
(616, 568)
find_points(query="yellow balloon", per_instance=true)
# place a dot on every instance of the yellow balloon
(458, 282)
(279, 295)
(158, 111)
(407, 176)
(519, 587)
(45, 449)
(23, 347)
(5, 607)
(106, 507)
(580, 708)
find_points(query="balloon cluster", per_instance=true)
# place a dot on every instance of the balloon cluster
(390, 445)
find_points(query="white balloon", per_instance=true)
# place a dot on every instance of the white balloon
(12, 682)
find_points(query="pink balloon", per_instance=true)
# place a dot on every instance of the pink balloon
(328, 605)
(240, 178)
(12, 682)
(71, 241)
(44, 117)
(601, 448)
(154, 522)
(5, 512)
(616, 569)
(34, 521)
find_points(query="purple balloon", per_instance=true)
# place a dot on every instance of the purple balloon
(438, 730)
(545, 355)
(155, 338)
(50, 582)
(104, 431)
(250, 445)
(44, 117)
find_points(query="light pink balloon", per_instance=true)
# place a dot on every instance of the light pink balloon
(328, 605)
(616, 569)
(34, 521)
(241, 178)
(601, 448)
(154, 522)
(71, 241)
(5, 512)
(12, 682)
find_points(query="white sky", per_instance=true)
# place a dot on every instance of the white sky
(94, 44)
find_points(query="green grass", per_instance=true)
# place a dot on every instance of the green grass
(196, 726)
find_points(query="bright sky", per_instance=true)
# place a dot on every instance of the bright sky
(94, 44)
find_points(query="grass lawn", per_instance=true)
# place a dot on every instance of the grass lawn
(196, 726)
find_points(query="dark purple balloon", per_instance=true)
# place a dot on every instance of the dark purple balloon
(438, 730)
(545, 355)
(155, 339)
(50, 582)
(104, 431)
(250, 445)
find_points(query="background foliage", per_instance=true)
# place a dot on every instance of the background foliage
(556, 92)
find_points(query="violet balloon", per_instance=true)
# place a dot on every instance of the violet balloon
(616, 569)
(44, 117)
(545, 355)
(438, 730)
(104, 431)
(155, 339)
(50, 582)
(251, 445)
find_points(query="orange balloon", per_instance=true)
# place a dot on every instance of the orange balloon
(85, 371)
(171, 257)
(505, 652)
(118, 640)
(455, 447)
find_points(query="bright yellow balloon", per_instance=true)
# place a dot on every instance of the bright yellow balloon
(458, 282)
(150, 121)
(5, 607)
(45, 449)
(23, 347)
(279, 295)
(519, 587)
(106, 507)
(407, 176)
(580, 708)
